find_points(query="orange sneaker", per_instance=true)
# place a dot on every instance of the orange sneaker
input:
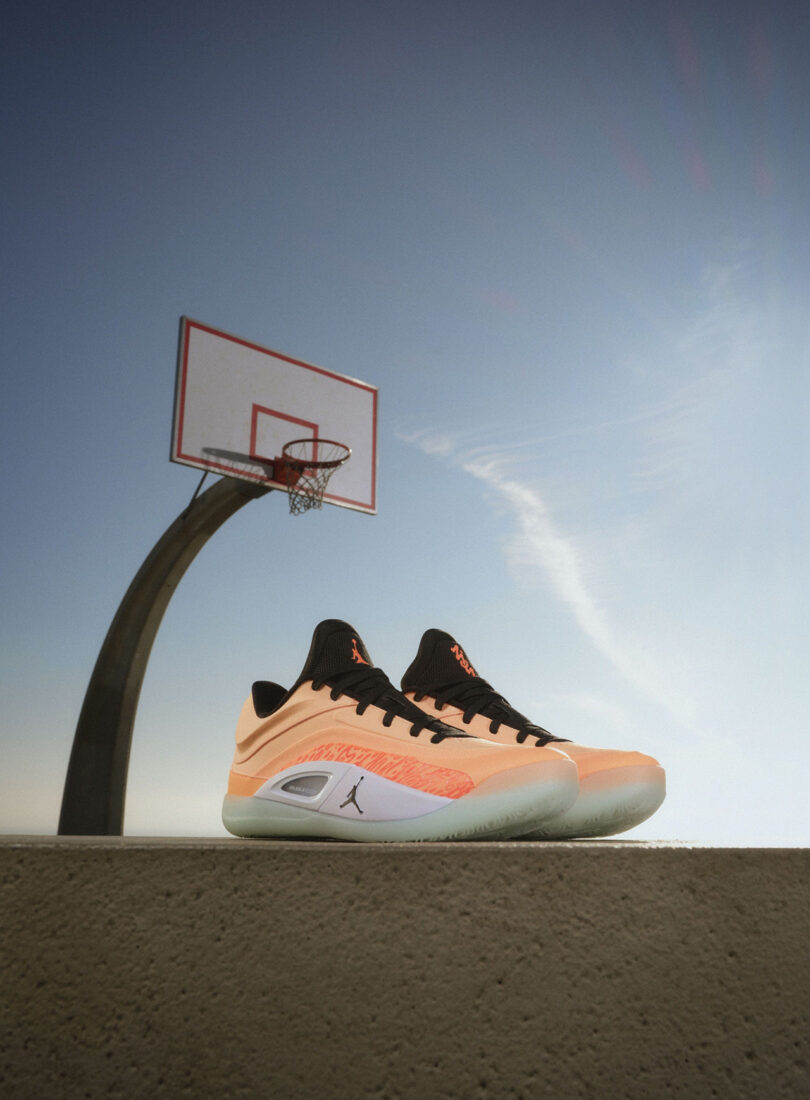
(617, 790)
(343, 754)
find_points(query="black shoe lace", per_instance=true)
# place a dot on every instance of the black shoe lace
(476, 696)
(371, 687)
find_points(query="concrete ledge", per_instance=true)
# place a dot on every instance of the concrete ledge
(224, 968)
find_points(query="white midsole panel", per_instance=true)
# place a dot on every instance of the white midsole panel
(349, 792)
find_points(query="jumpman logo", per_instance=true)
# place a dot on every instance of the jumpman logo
(356, 655)
(353, 796)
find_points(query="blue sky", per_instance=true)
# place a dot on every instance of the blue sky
(569, 243)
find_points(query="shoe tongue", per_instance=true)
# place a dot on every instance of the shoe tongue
(336, 647)
(440, 660)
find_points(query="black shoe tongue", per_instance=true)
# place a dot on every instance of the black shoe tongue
(336, 647)
(440, 660)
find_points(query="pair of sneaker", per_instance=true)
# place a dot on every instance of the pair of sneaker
(344, 754)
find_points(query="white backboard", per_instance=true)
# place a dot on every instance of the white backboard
(236, 405)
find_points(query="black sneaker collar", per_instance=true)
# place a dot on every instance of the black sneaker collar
(338, 659)
(442, 670)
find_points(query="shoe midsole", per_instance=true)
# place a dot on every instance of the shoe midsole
(510, 802)
(609, 802)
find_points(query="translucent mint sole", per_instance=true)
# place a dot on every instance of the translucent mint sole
(607, 810)
(500, 813)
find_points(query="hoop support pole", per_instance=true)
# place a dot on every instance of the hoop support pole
(95, 784)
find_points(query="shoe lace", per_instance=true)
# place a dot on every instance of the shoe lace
(476, 696)
(371, 687)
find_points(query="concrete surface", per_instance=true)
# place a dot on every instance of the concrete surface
(167, 968)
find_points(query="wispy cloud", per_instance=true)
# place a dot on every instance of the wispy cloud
(669, 470)
(540, 546)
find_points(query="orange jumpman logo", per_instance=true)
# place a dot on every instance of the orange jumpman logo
(356, 654)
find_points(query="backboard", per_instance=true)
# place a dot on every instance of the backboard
(236, 405)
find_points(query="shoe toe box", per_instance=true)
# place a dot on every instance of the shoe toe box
(591, 762)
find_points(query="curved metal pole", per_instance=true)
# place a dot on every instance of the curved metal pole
(95, 785)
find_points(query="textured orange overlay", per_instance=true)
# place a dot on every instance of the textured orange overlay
(446, 782)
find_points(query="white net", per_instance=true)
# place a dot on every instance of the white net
(308, 464)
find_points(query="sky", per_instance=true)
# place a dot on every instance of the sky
(568, 241)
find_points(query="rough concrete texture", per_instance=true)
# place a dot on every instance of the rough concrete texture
(239, 969)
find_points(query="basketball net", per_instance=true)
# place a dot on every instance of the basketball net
(308, 466)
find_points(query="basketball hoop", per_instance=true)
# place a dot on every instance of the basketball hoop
(306, 466)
